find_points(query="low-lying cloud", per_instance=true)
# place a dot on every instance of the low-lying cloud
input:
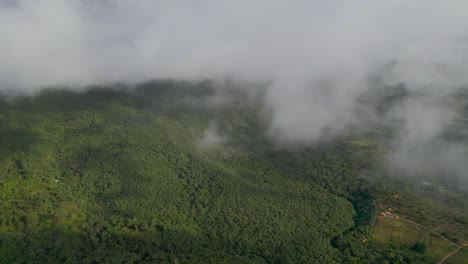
(210, 138)
(318, 56)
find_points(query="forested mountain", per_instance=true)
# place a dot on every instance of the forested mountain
(164, 173)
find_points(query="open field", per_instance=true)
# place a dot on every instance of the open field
(397, 231)
(443, 217)
(460, 258)
(438, 248)
(391, 230)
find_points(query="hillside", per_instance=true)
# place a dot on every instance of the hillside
(163, 173)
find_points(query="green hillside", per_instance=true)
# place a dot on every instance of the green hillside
(122, 176)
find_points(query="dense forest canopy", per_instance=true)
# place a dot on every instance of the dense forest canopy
(160, 173)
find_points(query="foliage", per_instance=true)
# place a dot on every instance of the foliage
(118, 175)
(113, 175)
(459, 258)
(419, 247)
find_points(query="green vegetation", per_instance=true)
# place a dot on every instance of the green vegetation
(448, 217)
(410, 237)
(437, 248)
(459, 258)
(388, 229)
(119, 176)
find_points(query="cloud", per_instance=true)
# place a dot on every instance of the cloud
(119, 40)
(210, 138)
(424, 148)
(296, 44)
(317, 55)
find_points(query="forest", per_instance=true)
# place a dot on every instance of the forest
(125, 175)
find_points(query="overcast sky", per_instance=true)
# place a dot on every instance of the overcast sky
(47, 42)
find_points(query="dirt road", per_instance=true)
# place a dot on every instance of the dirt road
(449, 255)
(435, 233)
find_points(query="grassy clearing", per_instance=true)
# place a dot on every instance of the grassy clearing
(400, 232)
(460, 258)
(438, 247)
(389, 230)
(448, 219)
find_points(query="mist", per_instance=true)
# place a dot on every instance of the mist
(210, 138)
(316, 56)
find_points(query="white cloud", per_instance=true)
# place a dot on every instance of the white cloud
(318, 55)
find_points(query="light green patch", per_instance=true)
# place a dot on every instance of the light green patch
(363, 143)
(397, 231)
(438, 247)
(400, 232)
(460, 258)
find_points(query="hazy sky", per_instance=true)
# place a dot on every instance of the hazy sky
(318, 55)
(45, 42)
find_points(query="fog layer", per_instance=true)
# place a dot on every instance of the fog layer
(318, 56)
